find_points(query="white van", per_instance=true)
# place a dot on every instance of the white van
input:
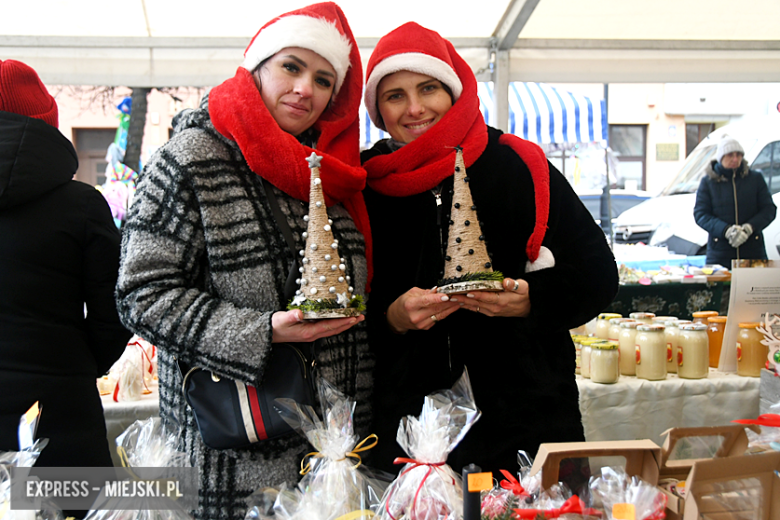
(667, 218)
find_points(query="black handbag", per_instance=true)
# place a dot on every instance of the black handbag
(231, 414)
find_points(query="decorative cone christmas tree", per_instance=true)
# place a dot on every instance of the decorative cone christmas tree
(324, 290)
(467, 266)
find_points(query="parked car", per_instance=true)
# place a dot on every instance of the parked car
(620, 200)
(667, 219)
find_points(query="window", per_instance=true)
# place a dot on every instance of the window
(91, 148)
(768, 163)
(695, 133)
(628, 142)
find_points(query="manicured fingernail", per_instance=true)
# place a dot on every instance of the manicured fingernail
(453, 299)
(435, 287)
(469, 295)
(445, 298)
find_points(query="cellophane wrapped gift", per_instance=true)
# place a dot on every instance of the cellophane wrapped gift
(29, 450)
(427, 488)
(133, 374)
(335, 483)
(147, 443)
(618, 493)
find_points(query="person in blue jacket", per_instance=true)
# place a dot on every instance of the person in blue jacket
(733, 205)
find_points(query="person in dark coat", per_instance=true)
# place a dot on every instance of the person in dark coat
(559, 270)
(59, 258)
(733, 205)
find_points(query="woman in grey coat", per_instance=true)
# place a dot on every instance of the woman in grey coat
(204, 262)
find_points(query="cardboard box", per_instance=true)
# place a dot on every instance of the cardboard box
(642, 457)
(726, 441)
(711, 480)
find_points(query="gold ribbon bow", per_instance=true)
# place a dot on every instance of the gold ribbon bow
(306, 463)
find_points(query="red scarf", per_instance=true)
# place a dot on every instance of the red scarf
(238, 112)
(422, 164)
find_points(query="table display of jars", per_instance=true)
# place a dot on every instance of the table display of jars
(604, 365)
(751, 353)
(693, 351)
(650, 352)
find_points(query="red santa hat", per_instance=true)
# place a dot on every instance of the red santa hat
(318, 27)
(416, 49)
(22, 92)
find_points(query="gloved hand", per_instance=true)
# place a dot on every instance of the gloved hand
(732, 231)
(738, 238)
(748, 229)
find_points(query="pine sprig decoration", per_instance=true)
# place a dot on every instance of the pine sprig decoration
(496, 276)
(356, 302)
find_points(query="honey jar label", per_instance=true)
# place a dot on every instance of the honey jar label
(669, 355)
(638, 355)
(680, 356)
(739, 351)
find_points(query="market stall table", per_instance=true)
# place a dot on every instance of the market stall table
(120, 415)
(640, 409)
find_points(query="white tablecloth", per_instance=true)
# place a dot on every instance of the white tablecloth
(124, 413)
(640, 409)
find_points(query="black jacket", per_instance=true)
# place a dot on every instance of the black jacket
(59, 252)
(521, 369)
(717, 208)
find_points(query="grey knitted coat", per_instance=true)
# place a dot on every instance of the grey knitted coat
(202, 271)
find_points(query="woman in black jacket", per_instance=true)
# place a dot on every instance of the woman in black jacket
(559, 270)
(733, 205)
(59, 255)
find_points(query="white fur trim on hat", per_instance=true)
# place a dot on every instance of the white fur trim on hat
(413, 62)
(315, 34)
(544, 261)
(728, 145)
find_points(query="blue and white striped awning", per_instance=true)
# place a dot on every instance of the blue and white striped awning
(537, 112)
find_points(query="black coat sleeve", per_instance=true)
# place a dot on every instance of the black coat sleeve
(106, 336)
(584, 280)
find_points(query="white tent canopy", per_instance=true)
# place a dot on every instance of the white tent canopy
(157, 43)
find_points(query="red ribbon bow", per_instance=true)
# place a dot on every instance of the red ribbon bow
(415, 464)
(572, 506)
(510, 483)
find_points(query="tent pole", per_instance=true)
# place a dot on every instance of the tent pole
(501, 90)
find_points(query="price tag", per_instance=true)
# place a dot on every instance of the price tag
(480, 481)
(623, 512)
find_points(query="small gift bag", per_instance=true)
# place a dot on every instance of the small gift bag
(146, 444)
(622, 496)
(427, 488)
(335, 483)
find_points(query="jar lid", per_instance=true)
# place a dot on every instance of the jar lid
(631, 324)
(749, 325)
(693, 326)
(650, 327)
(618, 321)
(717, 319)
(683, 322)
(704, 314)
(673, 323)
(589, 341)
(609, 315)
(642, 315)
(663, 319)
(605, 345)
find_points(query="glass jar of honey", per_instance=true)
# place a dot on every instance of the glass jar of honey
(585, 352)
(693, 351)
(751, 354)
(701, 316)
(670, 337)
(716, 325)
(604, 367)
(650, 352)
(644, 317)
(602, 324)
(614, 328)
(627, 347)
(576, 339)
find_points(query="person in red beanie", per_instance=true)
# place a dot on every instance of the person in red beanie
(559, 271)
(59, 251)
(204, 261)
